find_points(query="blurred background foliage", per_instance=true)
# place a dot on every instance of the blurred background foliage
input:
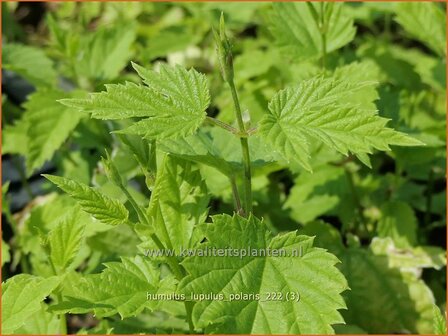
(370, 218)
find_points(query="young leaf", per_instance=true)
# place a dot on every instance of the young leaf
(21, 298)
(29, 62)
(318, 110)
(64, 242)
(178, 203)
(122, 288)
(173, 103)
(313, 275)
(100, 206)
(48, 124)
(439, 322)
(426, 22)
(296, 31)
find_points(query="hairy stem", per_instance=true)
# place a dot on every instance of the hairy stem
(236, 196)
(245, 150)
(221, 124)
(177, 269)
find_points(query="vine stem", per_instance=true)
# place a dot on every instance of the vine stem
(245, 150)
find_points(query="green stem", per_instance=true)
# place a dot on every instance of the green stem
(63, 318)
(236, 196)
(178, 271)
(221, 124)
(245, 151)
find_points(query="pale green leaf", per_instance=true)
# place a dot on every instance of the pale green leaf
(29, 62)
(121, 288)
(398, 221)
(312, 275)
(409, 258)
(439, 322)
(103, 208)
(21, 298)
(178, 203)
(424, 21)
(103, 54)
(317, 110)
(383, 299)
(64, 242)
(48, 124)
(297, 32)
(41, 323)
(173, 102)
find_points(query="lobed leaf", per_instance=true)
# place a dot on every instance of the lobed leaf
(296, 29)
(22, 296)
(44, 127)
(29, 62)
(100, 206)
(424, 21)
(313, 275)
(173, 103)
(64, 242)
(121, 288)
(318, 110)
(178, 203)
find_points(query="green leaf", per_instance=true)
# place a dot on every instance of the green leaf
(40, 323)
(100, 206)
(383, 299)
(121, 288)
(424, 21)
(297, 32)
(311, 197)
(317, 110)
(398, 221)
(313, 275)
(410, 258)
(439, 322)
(217, 148)
(64, 242)
(103, 54)
(29, 62)
(48, 124)
(21, 298)
(178, 203)
(173, 102)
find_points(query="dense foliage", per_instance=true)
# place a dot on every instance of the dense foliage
(133, 130)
